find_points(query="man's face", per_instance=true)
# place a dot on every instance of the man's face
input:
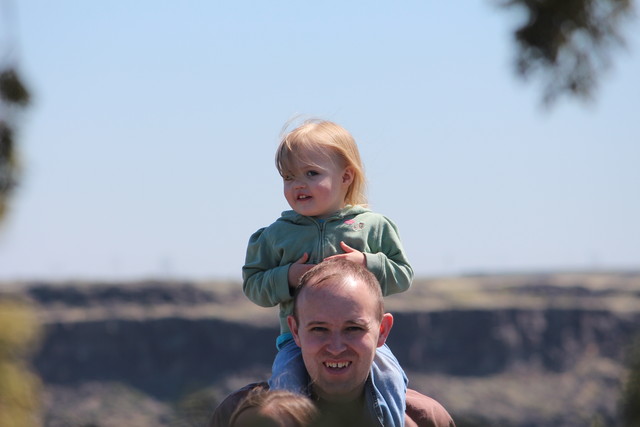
(338, 331)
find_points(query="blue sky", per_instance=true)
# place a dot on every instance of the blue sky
(148, 150)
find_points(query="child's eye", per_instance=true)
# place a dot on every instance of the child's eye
(312, 173)
(287, 177)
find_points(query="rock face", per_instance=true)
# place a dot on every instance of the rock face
(163, 357)
(475, 342)
(167, 356)
(526, 350)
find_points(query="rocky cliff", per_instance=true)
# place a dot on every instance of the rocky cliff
(168, 356)
(169, 339)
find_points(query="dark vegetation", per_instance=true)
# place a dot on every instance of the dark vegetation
(568, 43)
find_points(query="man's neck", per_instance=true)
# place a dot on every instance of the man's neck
(351, 413)
(340, 403)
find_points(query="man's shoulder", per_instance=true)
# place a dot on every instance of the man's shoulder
(426, 411)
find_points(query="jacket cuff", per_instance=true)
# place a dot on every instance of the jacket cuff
(281, 277)
(375, 264)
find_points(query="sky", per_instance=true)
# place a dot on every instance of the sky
(148, 150)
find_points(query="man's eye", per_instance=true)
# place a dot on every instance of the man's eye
(355, 329)
(318, 329)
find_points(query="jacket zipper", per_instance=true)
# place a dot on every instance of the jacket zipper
(321, 226)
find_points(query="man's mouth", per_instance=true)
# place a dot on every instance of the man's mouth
(337, 365)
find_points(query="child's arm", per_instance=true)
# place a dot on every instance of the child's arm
(384, 257)
(387, 260)
(265, 281)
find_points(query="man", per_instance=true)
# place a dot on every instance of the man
(338, 322)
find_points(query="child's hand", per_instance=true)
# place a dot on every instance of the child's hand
(350, 254)
(297, 269)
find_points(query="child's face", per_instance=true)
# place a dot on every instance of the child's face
(317, 184)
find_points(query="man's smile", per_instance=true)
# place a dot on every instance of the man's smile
(337, 365)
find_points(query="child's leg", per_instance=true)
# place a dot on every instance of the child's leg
(288, 371)
(390, 383)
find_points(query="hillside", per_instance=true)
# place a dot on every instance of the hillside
(529, 349)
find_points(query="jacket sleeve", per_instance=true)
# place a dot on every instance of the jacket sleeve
(387, 260)
(265, 281)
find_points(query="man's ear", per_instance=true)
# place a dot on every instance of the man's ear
(385, 328)
(293, 326)
(347, 176)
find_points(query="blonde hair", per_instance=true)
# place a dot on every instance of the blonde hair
(284, 407)
(332, 140)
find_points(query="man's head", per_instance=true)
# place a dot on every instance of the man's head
(338, 322)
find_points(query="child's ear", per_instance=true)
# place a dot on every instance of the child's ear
(347, 176)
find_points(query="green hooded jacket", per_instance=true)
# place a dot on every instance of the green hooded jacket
(273, 249)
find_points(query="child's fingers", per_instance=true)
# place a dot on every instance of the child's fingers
(346, 247)
(304, 258)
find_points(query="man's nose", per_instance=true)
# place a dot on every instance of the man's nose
(335, 344)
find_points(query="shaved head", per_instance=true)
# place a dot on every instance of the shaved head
(339, 273)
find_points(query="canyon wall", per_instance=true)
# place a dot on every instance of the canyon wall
(168, 356)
